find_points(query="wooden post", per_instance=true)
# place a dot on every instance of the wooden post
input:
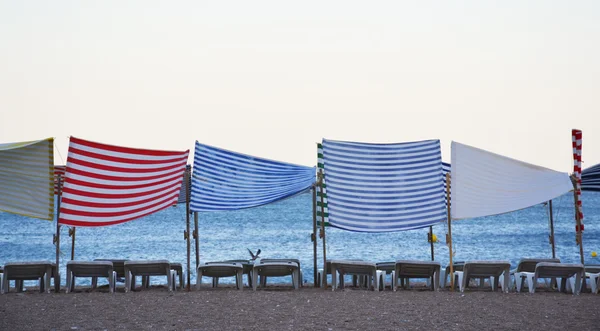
(552, 229)
(449, 239)
(57, 238)
(430, 235)
(197, 239)
(313, 236)
(72, 235)
(323, 230)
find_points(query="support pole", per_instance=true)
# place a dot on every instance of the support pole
(313, 236)
(57, 238)
(578, 226)
(430, 235)
(197, 239)
(449, 238)
(322, 235)
(72, 235)
(187, 229)
(552, 229)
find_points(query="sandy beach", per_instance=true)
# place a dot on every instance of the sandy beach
(280, 308)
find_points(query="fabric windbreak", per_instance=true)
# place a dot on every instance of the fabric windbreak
(484, 183)
(226, 180)
(384, 187)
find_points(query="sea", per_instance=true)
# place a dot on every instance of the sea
(283, 230)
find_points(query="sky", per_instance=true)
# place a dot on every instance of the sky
(273, 78)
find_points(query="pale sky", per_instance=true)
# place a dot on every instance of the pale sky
(272, 78)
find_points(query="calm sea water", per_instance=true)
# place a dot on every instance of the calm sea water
(282, 230)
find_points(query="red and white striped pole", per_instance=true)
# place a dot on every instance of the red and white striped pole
(577, 143)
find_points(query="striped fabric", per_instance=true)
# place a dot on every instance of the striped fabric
(185, 188)
(446, 169)
(590, 179)
(576, 136)
(322, 211)
(383, 187)
(225, 180)
(106, 185)
(59, 170)
(26, 178)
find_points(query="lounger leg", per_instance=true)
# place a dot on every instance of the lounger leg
(563, 285)
(5, 284)
(198, 279)
(436, 280)
(240, 279)
(577, 288)
(333, 278)
(254, 278)
(531, 282)
(128, 283)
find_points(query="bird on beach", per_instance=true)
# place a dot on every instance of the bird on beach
(254, 256)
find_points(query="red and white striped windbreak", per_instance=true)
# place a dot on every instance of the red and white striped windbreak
(106, 185)
(59, 170)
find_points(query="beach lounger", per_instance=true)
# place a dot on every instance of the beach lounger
(526, 265)
(406, 270)
(275, 269)
(358, 268)
(217, 270)
(322, 274)
(484, 269)
(118, 268)
(92, 269)
(386, 268)
(20, 271)
(263, 279)
(592, 272)
(148, 268)
(456, 266)
(556, 270)
(248, 266)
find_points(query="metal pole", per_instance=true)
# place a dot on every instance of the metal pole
(187, 230)
(552, 229)
(72, 235)
(323, 230)
(197, 239)
(57, 238)
(430, 235)
(449, 239)
(313, 236)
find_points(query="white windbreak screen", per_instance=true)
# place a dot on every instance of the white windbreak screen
(484, 183)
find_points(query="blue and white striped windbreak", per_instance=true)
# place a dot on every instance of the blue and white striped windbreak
(225, 180)
(590, 179)
(384, 187)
